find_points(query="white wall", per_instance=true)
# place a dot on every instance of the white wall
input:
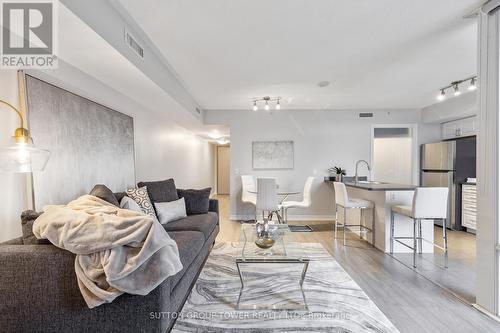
(163, 149)
(321, 139)
(452, 108)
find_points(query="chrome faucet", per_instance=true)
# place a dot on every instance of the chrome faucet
(357, 164)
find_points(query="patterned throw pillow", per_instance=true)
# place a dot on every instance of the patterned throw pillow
(140, 195)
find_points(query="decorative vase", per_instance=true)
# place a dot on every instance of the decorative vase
(266, 234)
(339, 177)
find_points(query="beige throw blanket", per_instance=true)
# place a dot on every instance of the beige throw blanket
(118, 251)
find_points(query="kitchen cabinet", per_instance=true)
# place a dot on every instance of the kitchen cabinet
(459, 128)
(469, 204)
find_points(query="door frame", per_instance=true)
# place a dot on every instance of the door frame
(415, 158)
(488, 162)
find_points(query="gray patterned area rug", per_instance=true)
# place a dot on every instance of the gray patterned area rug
(335, 302)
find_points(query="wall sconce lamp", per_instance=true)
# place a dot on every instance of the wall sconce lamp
(22, 155)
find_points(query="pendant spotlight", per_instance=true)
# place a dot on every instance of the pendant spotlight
(267, 105)
(442, 95)
(455, 85)
(472, 85)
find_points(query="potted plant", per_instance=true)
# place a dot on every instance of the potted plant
(338, 171)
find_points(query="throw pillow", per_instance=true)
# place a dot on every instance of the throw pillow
(104, 193)
(197, 201)
(161, 191)
(140, 196)
(171, 210)
(119, 196)
(130, 204)
(27, 219)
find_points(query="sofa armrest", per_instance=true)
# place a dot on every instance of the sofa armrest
(39, 292)
(213, 206)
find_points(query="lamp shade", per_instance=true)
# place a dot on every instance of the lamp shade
(22, 156)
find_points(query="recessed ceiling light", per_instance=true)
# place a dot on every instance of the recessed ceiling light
(214, 135)
(323, 84)
(223, 141)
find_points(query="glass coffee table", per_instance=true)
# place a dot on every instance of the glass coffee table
(285, 260)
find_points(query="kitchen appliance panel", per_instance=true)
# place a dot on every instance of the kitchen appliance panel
(438, 156)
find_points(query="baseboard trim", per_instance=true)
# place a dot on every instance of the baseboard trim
(485, 312)
(290, 217)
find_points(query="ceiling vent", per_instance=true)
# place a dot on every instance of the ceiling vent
(134, 45)
(365, 115)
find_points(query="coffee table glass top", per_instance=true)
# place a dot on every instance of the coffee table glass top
(284, 250)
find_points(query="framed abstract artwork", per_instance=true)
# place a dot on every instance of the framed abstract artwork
(272, 155)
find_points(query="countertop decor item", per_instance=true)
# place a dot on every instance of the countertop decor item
(338, 172)
(22, 155)
(266, 234)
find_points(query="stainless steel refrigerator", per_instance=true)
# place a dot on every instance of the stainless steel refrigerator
(447, 164)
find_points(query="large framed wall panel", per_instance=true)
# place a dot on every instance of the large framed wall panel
(89, 144)
(272, 155)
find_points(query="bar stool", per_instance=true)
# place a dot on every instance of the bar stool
(343, 200)
(429, 203)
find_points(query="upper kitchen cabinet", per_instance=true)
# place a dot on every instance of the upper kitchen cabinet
(459, 128)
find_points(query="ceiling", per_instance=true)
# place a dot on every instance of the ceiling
(375, 54)
(93, 55)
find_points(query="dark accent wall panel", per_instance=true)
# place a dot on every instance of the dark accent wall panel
(89, 144)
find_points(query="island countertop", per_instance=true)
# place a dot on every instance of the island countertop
(381, 186)
(383, 195)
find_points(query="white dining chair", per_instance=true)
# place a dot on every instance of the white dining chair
(305, 203)
(342, 200)
(247, 187)
(429, 203)
(267, 198)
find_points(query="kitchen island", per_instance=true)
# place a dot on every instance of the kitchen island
(384, 196)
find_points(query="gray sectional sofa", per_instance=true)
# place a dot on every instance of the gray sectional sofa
(39, 291)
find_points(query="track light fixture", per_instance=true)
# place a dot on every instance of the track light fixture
(442, 95)
(267, 101)
(473, 85)
(455, 85)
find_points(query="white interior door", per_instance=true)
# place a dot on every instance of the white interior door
(393, 154)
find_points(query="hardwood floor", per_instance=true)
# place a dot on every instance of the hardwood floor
(460, 276)
(411, 301)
